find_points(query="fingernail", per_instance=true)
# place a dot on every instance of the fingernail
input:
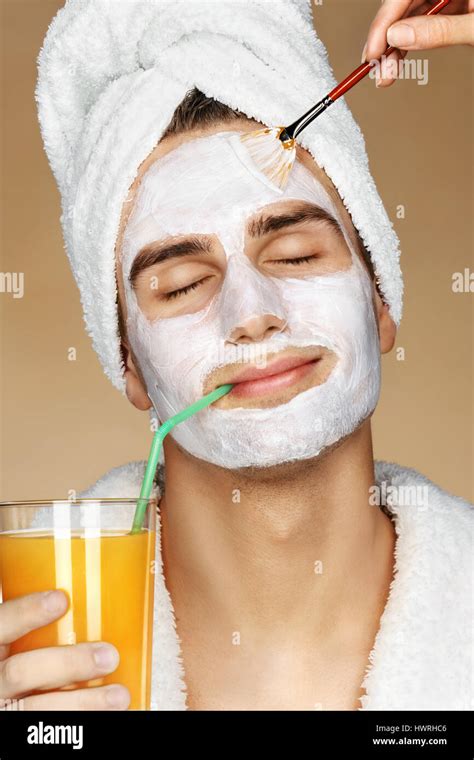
(105, 657)
(364, 53)
(53, 601)
(117, 696)
(401, 35)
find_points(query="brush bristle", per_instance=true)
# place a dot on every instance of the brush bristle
(271, 156)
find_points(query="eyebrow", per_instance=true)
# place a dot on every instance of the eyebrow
(305, 212)
(157, 252)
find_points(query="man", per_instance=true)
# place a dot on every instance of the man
(274, 539)
(290, 585)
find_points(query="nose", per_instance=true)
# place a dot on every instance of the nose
(252, 305)
(256, 329)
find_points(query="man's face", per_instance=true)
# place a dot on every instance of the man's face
(227, 280)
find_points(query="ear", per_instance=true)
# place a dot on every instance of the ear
(134, 385)
(387, 327)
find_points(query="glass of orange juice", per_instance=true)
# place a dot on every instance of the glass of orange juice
(85, 548)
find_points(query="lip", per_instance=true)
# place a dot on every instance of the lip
(277, 367)
(281, 371)
(280, 375)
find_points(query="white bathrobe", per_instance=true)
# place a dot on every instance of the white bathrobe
(422, 658)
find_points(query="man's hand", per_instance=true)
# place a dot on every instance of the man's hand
(53, 667)
(399, 23)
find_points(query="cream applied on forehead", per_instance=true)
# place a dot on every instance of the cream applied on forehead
(202, 187)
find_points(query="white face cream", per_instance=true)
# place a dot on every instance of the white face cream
(202, 188)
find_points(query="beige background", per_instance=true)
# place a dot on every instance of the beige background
(63, 424)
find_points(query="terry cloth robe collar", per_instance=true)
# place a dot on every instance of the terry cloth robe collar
(422, 657)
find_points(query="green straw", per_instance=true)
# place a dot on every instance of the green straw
(163, 430)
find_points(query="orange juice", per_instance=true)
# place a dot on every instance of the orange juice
(109, 581)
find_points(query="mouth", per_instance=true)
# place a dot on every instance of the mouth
(280, 374)
(279, 380)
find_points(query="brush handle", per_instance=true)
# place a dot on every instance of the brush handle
(359, 73)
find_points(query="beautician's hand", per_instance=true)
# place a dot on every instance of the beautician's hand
(53, 667)
(398, 23)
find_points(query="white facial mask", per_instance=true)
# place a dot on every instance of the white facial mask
(202, 187)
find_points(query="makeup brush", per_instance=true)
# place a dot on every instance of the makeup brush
(272, 150)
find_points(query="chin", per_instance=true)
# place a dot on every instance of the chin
(289, 468)
(284, 470)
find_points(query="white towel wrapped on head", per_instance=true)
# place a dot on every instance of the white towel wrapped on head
(110, 75)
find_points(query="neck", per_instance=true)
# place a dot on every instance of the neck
(297, 543)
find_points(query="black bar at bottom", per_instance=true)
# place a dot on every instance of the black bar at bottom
(141, 735)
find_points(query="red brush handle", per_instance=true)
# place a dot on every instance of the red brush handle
(361, 71)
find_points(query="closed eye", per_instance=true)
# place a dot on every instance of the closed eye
(173, 294)
(182, 291)
(295, 261)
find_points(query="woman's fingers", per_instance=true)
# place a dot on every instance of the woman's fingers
(427, 32)
(114, 697)
(387, 72)
(395, 24)
(391, 11)
(53, 667)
